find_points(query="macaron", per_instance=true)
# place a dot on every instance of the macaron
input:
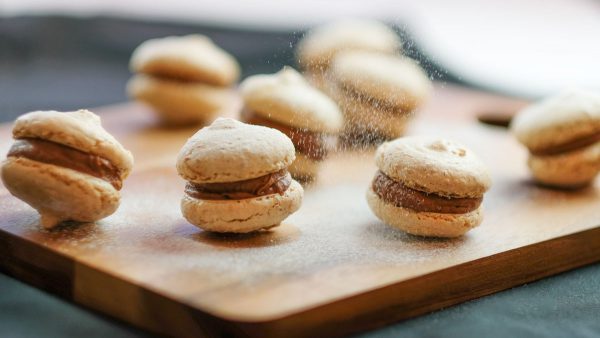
(428, 187)
(562, 134)
(287, 102)
(318, 47)
(237, 177)
(377, 93)
(66, 166)
(185, 79)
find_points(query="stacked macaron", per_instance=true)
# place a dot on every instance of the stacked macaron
(562, 134)
(378, 93)
(428, 187)
(66, 166)
(237, 177)
(186, 79)
(319, 46)
(285, 101)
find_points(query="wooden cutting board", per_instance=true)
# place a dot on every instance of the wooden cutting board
(330, 269)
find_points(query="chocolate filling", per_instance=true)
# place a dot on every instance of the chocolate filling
(402, 196)
(173, 78)
(568, 146)
(274, 183)
(312, 145)
(64, 156)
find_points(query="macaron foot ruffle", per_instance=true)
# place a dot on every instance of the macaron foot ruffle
(48, 221)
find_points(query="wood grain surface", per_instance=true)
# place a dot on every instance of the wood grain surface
(329, 269)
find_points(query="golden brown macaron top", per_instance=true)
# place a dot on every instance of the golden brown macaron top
(232, 151)
(434, 165)
(190, 58)
(223, 161)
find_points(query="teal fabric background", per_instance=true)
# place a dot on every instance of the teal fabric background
(64, 63)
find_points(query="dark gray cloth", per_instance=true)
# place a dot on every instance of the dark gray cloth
(65, 63)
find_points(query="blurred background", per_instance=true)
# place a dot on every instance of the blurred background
(61, 55)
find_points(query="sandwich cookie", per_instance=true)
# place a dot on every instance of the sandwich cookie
(186, 79)
(66, 166)
(562, 134)
(428, 187)
(237, 177)
(318, 47)
(285, 101)
(377, 93)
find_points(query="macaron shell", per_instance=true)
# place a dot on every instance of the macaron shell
(59, 194)
(428, 224)
(319, 45)
(192, 57)
(352, 104)
(319, 80)
(230, 151)
(556, 120)
(286, 97)
(304, 168)
(569, 170)
(81, 130)
(434, 165)
(397, 81)
(180, 103)
(242, 216)
(361, 117)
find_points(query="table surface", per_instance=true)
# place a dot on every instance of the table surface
(564, 305)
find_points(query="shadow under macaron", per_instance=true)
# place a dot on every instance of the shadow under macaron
(496, 118)
(69, 234)
(384, 236)
(586, 190)
(278, 235)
